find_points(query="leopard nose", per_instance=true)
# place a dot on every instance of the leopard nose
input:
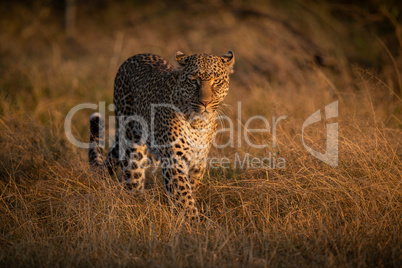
(205, 103)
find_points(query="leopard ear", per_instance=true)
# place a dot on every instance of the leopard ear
(181, 58)
(229, 60)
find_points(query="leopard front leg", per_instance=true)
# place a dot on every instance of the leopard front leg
(196, 173)
(178, 187)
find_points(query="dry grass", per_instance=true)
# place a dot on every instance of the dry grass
(54, 211)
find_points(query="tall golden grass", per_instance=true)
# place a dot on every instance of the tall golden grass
(290, 60)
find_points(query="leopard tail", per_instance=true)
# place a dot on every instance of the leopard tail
(97, 143)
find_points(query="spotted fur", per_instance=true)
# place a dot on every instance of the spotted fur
(166, 112)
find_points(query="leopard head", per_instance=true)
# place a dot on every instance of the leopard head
(203, 80)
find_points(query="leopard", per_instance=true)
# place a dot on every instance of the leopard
(163, 112)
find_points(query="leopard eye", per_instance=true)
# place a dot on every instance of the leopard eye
(193, 80)
(217, 81)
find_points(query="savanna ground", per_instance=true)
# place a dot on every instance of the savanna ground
(291, 60)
